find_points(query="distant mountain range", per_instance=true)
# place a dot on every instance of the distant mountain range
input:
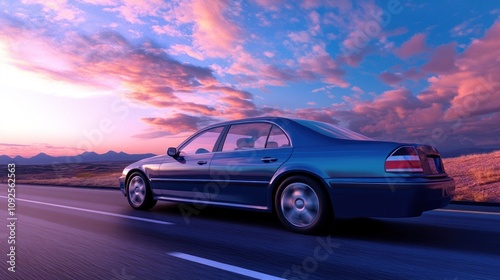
(43, 158)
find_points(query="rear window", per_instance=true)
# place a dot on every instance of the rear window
(331, 130)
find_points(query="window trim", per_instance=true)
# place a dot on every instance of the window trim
(224, 133)
(269, 135)
(194, 136)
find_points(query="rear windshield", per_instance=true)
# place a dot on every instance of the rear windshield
(331, 130)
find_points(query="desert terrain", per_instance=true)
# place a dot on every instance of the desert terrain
(96, 174)
(477, 176)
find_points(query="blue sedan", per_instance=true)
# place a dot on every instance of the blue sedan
(307, 172)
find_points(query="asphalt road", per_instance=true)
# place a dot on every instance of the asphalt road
(71, 233)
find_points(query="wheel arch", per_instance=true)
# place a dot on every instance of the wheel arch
(132, 171)
(276, 182)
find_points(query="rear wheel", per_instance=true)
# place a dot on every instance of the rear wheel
(301, 205)
(139, 193)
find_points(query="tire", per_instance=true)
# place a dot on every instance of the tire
(301, 205)
(139, 194)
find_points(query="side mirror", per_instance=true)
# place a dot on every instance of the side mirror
(172, 152)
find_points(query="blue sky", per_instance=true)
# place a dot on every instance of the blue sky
(139, 76)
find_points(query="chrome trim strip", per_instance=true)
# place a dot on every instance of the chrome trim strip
(208, 181)
(255, 207)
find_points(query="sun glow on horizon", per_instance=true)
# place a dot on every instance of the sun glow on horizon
(16, 79)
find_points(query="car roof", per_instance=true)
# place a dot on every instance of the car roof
(265, 118)
(299, 134)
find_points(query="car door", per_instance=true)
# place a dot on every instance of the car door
(249, 157)
(185, 175)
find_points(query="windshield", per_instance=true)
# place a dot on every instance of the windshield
(331, 130)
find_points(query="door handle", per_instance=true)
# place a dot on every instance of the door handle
(201, 162)
(268, 159)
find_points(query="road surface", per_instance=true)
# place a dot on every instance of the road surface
(78, 233)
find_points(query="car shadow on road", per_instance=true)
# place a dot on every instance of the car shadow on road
(412, 231)
(405, 231)
(220, 214)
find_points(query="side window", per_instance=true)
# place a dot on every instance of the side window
(246, 136)
(203, 143)
(277, 138)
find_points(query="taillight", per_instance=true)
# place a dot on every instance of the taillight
(404, 159)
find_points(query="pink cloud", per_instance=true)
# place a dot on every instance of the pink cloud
(396, 99)
(398, 78)
(316, 65)
(245, 64)
(342, 5)
(185, 49)
(421, 119)
(175, 124)
(319, 64)
(310, 4)
(276, 74)
(143, 74)
(300, 37)
(133, 10)
(361, 27)
(215, 33)
(315, 114)
(390, 78)
(412, 47)
(102, 2)
(357, 90)
(269, 54)
(315, 23)
(272, 5)
(355, 40)
(461, 106)
(474, 80)
(463, 29)
(59, 10)
(396, 32)
(413, 74)
(441, 95)
(354, 58)
(442, 60)
(166, 30)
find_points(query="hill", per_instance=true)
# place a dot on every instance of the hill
(85, 157)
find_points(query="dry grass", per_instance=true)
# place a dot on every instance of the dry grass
(99, 174)
(477, 177)
(486, 176)
(103, 180)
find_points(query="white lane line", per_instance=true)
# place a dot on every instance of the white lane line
(468, 212)
(223, 266)
(94, 211)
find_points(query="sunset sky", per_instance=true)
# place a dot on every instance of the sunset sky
(138, 76)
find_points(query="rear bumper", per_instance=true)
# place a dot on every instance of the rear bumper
(389, 197)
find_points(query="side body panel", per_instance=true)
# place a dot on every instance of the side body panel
(184, 176)
(243, 177)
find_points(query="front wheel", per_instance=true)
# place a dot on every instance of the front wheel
(301, 205)
(139, 194)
